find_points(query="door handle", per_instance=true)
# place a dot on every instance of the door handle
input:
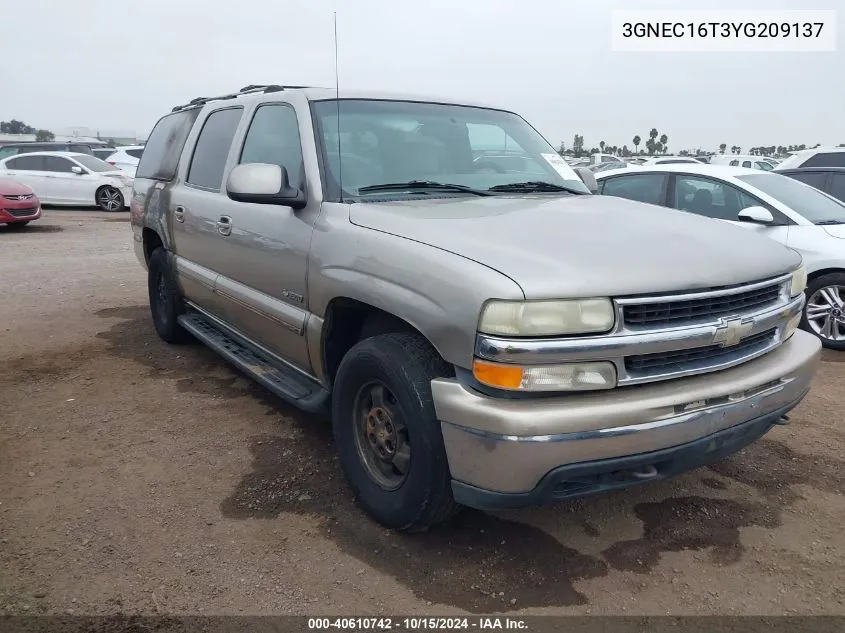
(224, 225)
(179, 214)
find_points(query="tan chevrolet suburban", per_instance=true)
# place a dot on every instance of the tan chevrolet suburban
(483, 329)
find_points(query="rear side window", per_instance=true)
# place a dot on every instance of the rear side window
(746, 163)
(135, 153)
(734, 163)
(212, 148)
(640, 187)
(812, 178)
(826, 159)
(57, 164)
(273, 138)
(837, 186)
(82, 149)
(29, 163)
(165, 144)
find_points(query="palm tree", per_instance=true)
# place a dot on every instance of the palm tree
(653, 134)
(637, 140)
(601, 145)
(664, 141)
(722, 148)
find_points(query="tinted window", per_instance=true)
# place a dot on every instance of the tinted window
(84, 149)
(93, 163)
(640, 187)
(57, 164)
(837, 186)
(135, 153)
(812, 178)
(761, 164)
(710, 198)
(5, 152)
(164, 147)
(212, 148)
(273, 138)
(734, 163)
(30, 163)
(746, 163)
(811, 203)
(826, 159)
(103, 153)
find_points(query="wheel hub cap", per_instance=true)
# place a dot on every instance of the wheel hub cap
(381, 436)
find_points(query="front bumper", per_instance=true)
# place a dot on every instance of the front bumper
(508, 453)
(12, 216)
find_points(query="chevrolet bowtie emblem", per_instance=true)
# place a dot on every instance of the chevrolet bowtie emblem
(732, 330)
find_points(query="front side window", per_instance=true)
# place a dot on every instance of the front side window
(26, 163)
(273, 138)
(746, 163)
(765, 166)
(212, 148)
(826, 159)
(812, 178)
(809, 202)
(380, 142)
(639, 187)
(711, 198)
(837, 186)
(734, 163)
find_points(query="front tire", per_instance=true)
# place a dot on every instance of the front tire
(387, 433)
(824, 311)
(165, 301)
(109, 198)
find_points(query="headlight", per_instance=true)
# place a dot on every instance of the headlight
(799, 282)
(546, 318)
(567, 377)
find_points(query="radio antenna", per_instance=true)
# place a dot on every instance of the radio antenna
(337, 103)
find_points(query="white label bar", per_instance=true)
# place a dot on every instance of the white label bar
(708, 30)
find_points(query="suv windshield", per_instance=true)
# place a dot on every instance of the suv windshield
(391, 142)
(809, 202)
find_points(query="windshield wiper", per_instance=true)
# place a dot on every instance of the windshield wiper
(421, 184)
(829, 222)
(534, 185)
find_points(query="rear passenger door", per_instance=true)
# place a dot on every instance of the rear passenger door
(197, 201)
(262, 255)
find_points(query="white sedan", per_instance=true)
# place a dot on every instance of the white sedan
(68, 178)
(797, 215)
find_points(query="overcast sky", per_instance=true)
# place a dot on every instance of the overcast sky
(121, 64)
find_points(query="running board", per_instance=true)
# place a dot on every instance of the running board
(286, 383)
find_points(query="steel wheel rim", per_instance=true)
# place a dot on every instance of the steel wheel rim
(110, 198)
(825, 312)
(381, 437)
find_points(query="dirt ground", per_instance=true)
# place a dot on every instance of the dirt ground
(139, 477)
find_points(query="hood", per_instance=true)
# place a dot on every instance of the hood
(582, 246)
(10, 187)
(836, 230)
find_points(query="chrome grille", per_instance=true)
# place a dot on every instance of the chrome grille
(25, 196)
(690, 359)
(671, 312)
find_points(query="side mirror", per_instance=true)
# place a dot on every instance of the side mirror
(588, 178)
(76, 169)
(262, 183)
(758, 215)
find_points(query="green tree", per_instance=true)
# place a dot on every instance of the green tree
(625, 151)
(44, 135)
(636, 142)
(723, 147)
(16, 127)
(664, 142)
(601, 145)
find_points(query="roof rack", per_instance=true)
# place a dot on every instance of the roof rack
(250, 89)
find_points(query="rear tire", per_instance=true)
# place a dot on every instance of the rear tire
(109, 198)
(166, 304)
(824, 311)
(383, 410)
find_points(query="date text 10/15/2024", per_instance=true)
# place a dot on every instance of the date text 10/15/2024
(417, 624)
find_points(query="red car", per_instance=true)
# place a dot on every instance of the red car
(18, 203)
